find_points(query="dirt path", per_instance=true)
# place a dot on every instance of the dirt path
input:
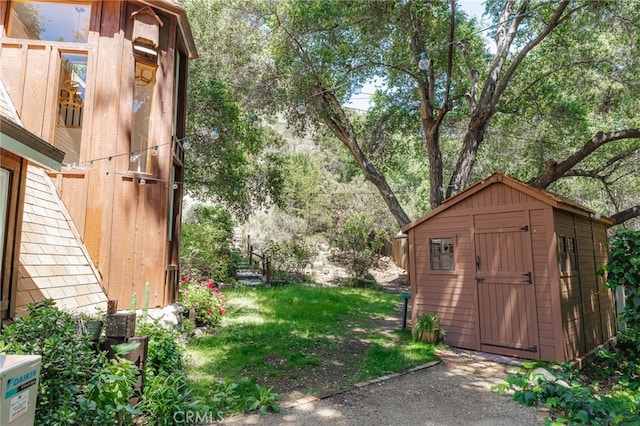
(453, 391)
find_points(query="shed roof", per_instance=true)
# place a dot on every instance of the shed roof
(545, 197)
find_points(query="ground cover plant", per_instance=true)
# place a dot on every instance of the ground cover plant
(606, 392)
(301, 339)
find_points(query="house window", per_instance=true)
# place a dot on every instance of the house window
(441, 254)
(143, 88)
(71, 95)
(567, 254)
(50, 20)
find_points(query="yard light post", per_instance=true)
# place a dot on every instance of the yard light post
(406, 295)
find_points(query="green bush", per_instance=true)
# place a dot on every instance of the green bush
(74, 377)
(205, 298)
(112, 386)
(623, 269)
(167, 399)
(205, 243)
(165, 354)
(360, 242)
(290, 256)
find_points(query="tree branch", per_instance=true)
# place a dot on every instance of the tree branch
(554, 171)
(625, 215)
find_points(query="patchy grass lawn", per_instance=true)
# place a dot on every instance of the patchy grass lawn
(304, 339)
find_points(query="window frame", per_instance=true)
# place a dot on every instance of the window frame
(450, 256)
(567, 255)
(86, 6)
(142, 153)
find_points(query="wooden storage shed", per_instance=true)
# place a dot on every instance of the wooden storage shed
(512, 270)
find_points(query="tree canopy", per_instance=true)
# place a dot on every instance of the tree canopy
(546, 91)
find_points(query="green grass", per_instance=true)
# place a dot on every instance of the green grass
(287, 334)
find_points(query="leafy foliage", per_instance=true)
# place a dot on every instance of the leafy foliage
(584, 401)
(290, 256)
(205, 243)
(164, 352)
(360, 242)
(468, 114)
(264, 401)
(77, 386)
(623, 269)
(205, 299)
(168, 398)
(112, 386)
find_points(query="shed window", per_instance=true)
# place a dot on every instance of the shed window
(50, 20)
(567, 255)
(441, 254)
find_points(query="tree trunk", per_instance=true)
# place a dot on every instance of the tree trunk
(467, 157)
(436, 193)
(337, 121)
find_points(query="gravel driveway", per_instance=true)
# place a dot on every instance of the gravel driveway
(453, 392)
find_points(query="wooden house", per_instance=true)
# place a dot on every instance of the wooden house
(512, 270)
(105, 82)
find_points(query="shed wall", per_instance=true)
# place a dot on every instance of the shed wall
(453, 294)
(448, 293)
(542, 241)
(588, 315)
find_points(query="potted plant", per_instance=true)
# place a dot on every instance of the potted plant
(427, 328)
(91, 323)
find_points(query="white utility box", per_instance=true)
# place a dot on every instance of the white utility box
(19, 389)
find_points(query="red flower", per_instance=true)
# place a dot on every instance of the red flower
(209, 311)
(216, 290)
(221, 310)
(211, 284)
(186, 278)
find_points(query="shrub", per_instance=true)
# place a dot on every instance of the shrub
(112, 386)
(623, 269)
(205, 298)
(167, 399)
(74, 378)
(291, 256)
(165, 354)
(360, 242)
(205, 243)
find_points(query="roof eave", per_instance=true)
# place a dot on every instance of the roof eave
(18, 140)
(543, 196)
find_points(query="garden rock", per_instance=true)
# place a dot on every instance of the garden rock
(169, 316)
(548, 376)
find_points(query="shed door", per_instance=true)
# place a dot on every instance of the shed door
(504, 276)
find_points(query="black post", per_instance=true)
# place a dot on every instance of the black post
(404, 318)
(406, 295)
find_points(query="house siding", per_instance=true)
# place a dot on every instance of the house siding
(53, 262)
(123, 224)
